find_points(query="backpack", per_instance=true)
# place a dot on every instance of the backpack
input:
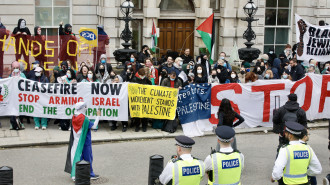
(15, 123)
(290, 116)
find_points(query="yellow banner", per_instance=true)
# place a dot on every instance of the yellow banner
(88, 36)
(148, 101)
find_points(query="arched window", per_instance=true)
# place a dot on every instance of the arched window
(177, 5)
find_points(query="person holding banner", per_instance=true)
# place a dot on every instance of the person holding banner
(297, 70)
(80, 143)
(68, 47)
(102, 40)
(4, 33)
(103, 61)
(37, 49)
(21, 32)
(140, 78)
(40, 77)
(200, 74)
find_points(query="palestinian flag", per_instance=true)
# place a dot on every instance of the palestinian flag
(207, 32)
(153, 37)
(79, 131)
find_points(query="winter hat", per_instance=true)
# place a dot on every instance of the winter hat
(80, 108)
(247, 65)
(264, 57)
(15, 64)
(103, 56)
(56, 68)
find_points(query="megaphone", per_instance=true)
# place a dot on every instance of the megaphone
(61, 79)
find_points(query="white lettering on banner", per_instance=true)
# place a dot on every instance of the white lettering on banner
(254, 101)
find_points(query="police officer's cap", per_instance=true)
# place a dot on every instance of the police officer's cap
(225, 133)
(294, 128)
(184, 141)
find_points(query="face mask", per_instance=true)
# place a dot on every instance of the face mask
(222, 58)
(16, 70)
(90, 76)
(69, 67)
(224, 65)
(259, 72)
(172, 79)
(242, 72)
(191, 67)
(35, 65)
(39, 32)
(128, 73)
(267, 76)
(199, 71)
(181, 63)
(103, 61)
(68, 75)
(311, 65)
(129, 66)
(262, 68)
(142, 77)
(22, 25)
(112, 76)
(38, 74)
(271, 52)
(233, 76)
(69, 29)
(213, 76)
(265, 61)
(247, 70)
(285, 76)
(199, 61)
(132, 59)
(102, 70)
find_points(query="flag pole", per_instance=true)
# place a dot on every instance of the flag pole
(185, 41)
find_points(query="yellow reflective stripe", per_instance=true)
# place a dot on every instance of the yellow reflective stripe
(176, 174)
(215, 169)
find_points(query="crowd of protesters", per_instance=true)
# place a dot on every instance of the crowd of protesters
(171, 70)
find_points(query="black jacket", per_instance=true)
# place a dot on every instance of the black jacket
(289, 106)
(297, 72)
(144, 81)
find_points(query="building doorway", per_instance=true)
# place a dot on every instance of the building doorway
(175, 35)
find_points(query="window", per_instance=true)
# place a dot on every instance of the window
(215, 4)
(137, 34)
(138, 5)
(182, 5)
(277, 24)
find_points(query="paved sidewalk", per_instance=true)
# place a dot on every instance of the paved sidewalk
(31, 137)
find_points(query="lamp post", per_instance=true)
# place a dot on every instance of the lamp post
(249, 54)
(124, 55)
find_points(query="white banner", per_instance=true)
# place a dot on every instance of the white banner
(53, 100)
(313, 41)
(256, 101)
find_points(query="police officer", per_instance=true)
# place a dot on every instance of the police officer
(225, 166)
(297, 159)
(185, 170)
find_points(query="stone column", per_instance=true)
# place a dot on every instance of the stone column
(202, 11)
(150, 12)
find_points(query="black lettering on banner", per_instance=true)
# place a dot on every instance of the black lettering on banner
(19, 85)
(318, 42)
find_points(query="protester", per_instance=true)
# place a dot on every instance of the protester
(145, 53)
(31, 74)
(222, 72)
(272, 55)
(297, 70)
(91, 77)
(250, 77)
(169, 67)
(21, 32)
(268, 75)
(213, 77)
(102, 41)
(127, 75)
(64, 68)
(314, 64)
(289, 112)
(66, 38)
(200, 75)
(152, 71)
(102, 74)
(82, 73)
(40, 77)
(141, 79)
(206, 64)
(163, 75)
(70, 77)
(241, 75)
(39, 50)
(233, 78)
(311, 70)
(326, 69)
(226, 63)
(226, 116)
(172, 81)
(286, 75)
(4, 33)
(276, 69)
(186, 56)
(288, 52)
(103, 61)
(54, 75)
(80, 143)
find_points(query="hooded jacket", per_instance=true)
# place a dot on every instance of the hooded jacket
(276, 69)
(65, 37)
(36, 48)
(19, 36)
(289, 106)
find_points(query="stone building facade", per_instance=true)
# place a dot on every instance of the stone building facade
(274, 29)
